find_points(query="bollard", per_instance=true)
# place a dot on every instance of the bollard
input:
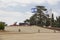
(54, 31)
(19, 30)
(38, 30)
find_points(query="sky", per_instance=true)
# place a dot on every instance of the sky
(19, 10)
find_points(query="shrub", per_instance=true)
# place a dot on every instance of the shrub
(2, 25)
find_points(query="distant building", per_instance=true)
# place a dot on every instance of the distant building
(22, 24)
(15, 24)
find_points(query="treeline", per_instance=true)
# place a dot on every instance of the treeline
(42, 19)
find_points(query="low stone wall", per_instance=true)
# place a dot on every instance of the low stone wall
(29, 29)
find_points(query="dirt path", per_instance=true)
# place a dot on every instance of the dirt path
(36, 36)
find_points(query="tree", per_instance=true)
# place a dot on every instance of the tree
(27, 21)
(40, 12)
(2, 25)
(57, 23)
(48, 22)
(39, 18)
(32, 20)
(52, 20)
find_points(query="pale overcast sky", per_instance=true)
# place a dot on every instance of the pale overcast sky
(18, 10)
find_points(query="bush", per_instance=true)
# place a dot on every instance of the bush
(2, 25)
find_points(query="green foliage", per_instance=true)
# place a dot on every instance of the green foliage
(32, 20)
(2, 25)
(27, 20)
(47, 23)
(43, 19)
(39, 18)
(57, 23)
(52, 20)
